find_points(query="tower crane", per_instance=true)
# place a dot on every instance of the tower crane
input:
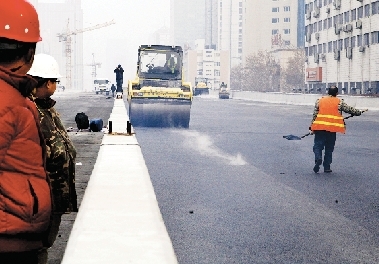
(66, 38)
(94, 66)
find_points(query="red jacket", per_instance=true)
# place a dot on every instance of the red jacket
(25, 201)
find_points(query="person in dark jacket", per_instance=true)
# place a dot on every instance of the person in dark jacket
(61, 153)
(113, 89)
(25, 197)
(327, 121)
(119, 78)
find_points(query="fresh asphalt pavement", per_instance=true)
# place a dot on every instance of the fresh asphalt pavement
(231, 189)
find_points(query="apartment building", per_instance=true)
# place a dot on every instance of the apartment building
(269, 25)
(206, 63)
(342, 45)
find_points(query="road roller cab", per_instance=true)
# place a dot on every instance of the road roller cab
(158, 96)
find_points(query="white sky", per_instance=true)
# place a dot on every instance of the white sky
(117, 44)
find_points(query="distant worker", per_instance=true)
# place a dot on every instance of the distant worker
(327, 120)
(25, 200)
(119, 77)
(60, 151)
(113, 89)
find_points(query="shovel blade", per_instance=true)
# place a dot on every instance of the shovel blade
(292, 137)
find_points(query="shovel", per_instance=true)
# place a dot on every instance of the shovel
(293, 137)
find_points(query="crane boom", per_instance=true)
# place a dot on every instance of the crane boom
(66, 37)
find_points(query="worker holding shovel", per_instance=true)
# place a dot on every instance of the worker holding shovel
(327, 121)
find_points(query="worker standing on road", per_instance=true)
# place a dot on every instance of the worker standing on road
(327, 121)
(113, 89)
(25, 199)
(119, 77)
(61, 153)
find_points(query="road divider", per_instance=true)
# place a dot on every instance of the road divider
(119, 220)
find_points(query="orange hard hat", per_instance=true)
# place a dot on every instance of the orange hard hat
(19, 21)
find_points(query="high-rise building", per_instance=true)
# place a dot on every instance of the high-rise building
(230, 36)
(211, 23)
(270, 25)
(187, 22)
(342, 45)
(55, 18)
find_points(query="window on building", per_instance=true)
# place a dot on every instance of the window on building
(367, 10)
(315, 27)
(240, 4)
(311, 6)
(340, 44)
(240, 18)
(360, 12)
(366, 39)
(286, 31)
(275, 20)
(306, 51)
(240, 31)
(319, 25)
(375, 37)
(325, 23)
(325, 2)
(334, 45)
(324, 47)
(240, 11)
(275, 31)
(359, 40)
(287, 19)
(287, 43)
(353, 39)
(330, 22)
(347, 17)
(340, 18)
(330, 46)
(375, 7)
(287, 8)
(353, 14)
(346, 42)
(319, 48)
(275, 9)
(239, 50)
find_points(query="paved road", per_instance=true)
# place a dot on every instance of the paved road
(232, 190)
(87, 145)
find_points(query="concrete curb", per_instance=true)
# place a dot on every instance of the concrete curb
(360, 102)
(119, 219)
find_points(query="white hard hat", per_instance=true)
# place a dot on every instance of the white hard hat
(44, 66)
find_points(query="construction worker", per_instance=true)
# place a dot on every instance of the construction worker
(61, 153)
(113, 89)
(327, 121)
(25, 201)
(170, 63)
(119, 78)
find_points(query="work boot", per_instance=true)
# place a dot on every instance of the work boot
(327, 170)
(316, 168)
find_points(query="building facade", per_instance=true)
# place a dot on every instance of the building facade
(207, 63)
(270, 25)
(342, 45)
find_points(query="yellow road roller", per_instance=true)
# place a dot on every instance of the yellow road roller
(158, 96)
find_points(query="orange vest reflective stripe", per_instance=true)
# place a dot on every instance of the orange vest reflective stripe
(328, 117)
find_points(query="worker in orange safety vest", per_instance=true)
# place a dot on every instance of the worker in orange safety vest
(327, 121)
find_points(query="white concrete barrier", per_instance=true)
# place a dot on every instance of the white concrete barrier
(361, 102)
(119, 219)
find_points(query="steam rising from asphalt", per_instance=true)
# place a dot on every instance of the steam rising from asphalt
(204, 145)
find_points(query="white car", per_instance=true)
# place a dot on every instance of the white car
(102, 85)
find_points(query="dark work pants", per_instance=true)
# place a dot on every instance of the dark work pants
(327, 140)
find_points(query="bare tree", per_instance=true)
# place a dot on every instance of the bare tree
(293, 74)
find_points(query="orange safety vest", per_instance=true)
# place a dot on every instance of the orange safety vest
(328, 117)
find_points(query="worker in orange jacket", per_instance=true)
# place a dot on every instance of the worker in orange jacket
(327, 121)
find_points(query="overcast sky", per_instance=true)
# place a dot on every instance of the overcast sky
(117, 44)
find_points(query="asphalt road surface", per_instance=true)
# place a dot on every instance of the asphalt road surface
(231, 189)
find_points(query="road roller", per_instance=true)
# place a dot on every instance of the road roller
(158, 96)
